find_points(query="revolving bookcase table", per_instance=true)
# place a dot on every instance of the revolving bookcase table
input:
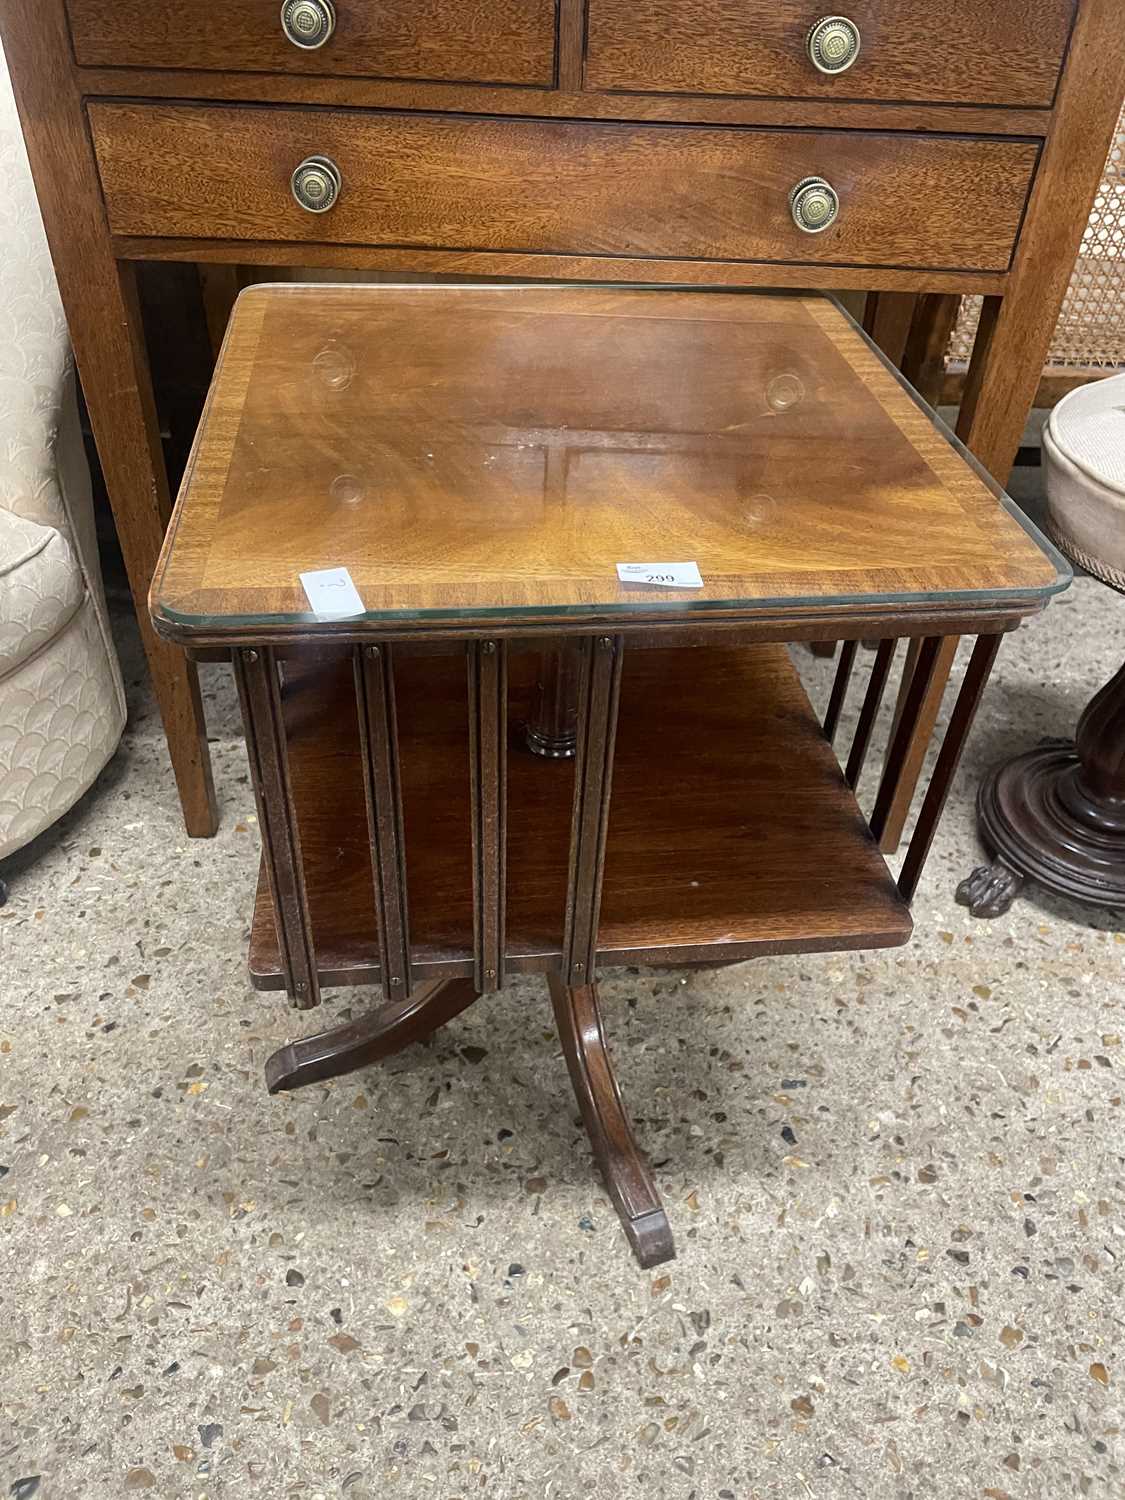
(480, 460)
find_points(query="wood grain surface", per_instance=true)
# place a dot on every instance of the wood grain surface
(536, 266)
(572, 188)
(566, 102)
(497, 41)
(887, 318)
(418, 436)
(924, 357)
(958, 51)
(736, 835)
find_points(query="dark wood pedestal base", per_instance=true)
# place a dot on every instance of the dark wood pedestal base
(389, 1028)
(1056, 815)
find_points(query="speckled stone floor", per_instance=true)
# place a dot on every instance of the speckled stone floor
(895, 1178)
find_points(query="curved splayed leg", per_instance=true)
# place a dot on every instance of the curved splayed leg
(379, 1034)
(628, 1178)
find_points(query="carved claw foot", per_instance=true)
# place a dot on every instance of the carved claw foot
(990, 890)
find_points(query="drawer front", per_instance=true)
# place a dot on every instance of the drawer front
(935, 51)
(473, 41)
(467, 183)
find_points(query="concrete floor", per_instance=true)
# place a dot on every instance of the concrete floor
(895, 1179)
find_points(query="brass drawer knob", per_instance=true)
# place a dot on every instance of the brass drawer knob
(814, 205)
(316, 184)
(833, 44)
(308, 23)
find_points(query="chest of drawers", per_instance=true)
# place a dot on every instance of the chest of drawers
(905, 148)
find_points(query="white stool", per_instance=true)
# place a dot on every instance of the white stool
(1084, 457)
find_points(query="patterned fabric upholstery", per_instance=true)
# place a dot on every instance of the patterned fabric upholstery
(62, 705)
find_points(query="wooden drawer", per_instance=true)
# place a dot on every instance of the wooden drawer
(473, 41)
(676, 191)
(947, 51)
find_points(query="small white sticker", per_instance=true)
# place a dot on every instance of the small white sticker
(332, 593)
(684, 575)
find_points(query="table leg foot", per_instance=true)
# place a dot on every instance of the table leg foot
(377, 1035)
(627, 1176)
(650, 1236)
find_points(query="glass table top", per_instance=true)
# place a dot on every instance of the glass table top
(496, 452)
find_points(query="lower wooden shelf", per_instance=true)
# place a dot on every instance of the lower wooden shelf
(732, 832)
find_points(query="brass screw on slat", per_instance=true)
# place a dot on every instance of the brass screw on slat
(251, 656)
(373, 652)
(605, 643)
(489, 648)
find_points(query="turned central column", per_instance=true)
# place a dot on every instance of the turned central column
(552, 725)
